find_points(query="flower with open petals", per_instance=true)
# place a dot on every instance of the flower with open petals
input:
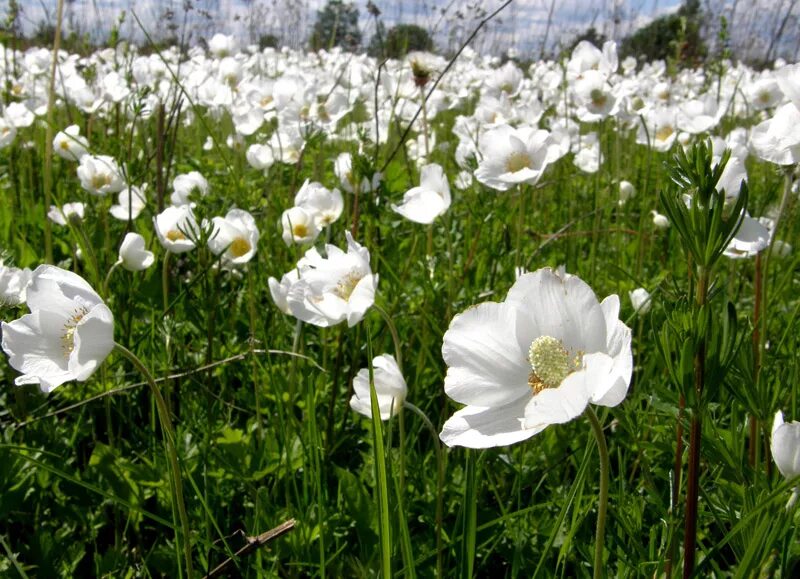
(390, 388)
(335, 288)
(177, 229)
(67, 335)
(512, 156)
(431, 199)
(100, 175)
(537, 358)
(235, 237)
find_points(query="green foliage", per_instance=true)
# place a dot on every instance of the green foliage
(399, 41)
(336, 25)
(674, 38)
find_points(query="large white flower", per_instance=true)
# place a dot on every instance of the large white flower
(335, 288)
(67, 335)
(537, 358)
(390, 388)
(100, 175)
(235, 237)
(512, 156)
(431, 199)
(177, 229)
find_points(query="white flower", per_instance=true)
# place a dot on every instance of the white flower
(70, 145)
(100, 175)
(640, 300)
(659, 220)
(752, 237)
(67, 212)
(279, 290)
(626, 191)
(235, 237)
(325, 205)
(537, 358)
(7, 132)
(785, 446)
(431, 199)
(222, 45)
(13, 285)
(335, 288)
(67, 335)
(176, 229)
(390, 388)
(512, 156)
(299, 226)
(130, 203)
(259, 157)
(186, 185)
(133, 254)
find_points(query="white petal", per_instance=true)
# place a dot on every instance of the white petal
(94, 340)
(480, 427)
(562, 404)
(485, 364)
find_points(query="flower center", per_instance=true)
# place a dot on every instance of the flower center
(239, 247)
(100, 180)
(518, 161)
(68, 335)
(300, 230)
(598, 97)
(344, 289)
(175, 235)
(550, 363)
(664, 133)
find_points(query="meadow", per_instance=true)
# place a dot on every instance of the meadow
(316, 315)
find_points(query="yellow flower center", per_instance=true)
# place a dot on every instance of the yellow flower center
(239, 247)
(300, 230)
(175, 235)
(68, 331)
(550, 363)
(518, 161)
(100, 180)
(344, 289)
(664, 133)
(65, 145)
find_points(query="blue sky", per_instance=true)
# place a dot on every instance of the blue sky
(522, 25)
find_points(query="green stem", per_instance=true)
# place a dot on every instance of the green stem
(169, 442)
(439, 482)
(602, 500)
(395, 336)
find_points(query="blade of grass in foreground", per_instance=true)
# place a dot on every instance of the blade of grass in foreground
(382, 487)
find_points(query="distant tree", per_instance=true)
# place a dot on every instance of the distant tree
(675, 38)
(336, 25)
(400, 40)
(592, 35)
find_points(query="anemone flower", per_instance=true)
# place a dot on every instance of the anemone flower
(235, 237)
(538, 358)
(67, 335)
(512, 156)
(431, 199)
(335, 288)
(390, 388)
(133, 255)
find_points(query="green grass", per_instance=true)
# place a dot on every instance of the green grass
(263, 429)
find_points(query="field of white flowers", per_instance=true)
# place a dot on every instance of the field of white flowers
(272, 313)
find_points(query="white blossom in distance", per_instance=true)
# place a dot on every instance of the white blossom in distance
(429, 200)
(390, 388)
